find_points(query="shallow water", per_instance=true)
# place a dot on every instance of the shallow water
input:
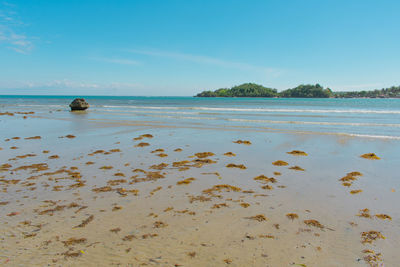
(218, 236)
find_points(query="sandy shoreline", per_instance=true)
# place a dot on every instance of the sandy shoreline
(221, 217)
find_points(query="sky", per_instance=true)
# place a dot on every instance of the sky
(181, 47)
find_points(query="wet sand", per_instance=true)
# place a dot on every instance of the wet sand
(79, 192)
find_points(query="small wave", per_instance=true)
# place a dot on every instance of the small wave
(361, 111)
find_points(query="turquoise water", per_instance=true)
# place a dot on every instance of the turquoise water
(369, 118)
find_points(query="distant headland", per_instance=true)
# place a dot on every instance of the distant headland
(301, 91)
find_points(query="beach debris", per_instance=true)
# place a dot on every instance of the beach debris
(106, 167)
(353, 192)
(115, 230)
(79, 104)
(370, 236)
(267, 236)
(128, 238)
(229, 154)
(244, 142)
(157, 150)
(160, 166)
(191, 254)
(162, 155)
(259, 218)
(244, 204)
(297, 153)
(314, 223)
(54, 157)
(220, 187)
(239, 166)
(228, 261)
(178, 150)
(370, 156)
(280, 163)
(292, 216)
(143, 136)
(277, 173)
(296, 168)
(220, 205)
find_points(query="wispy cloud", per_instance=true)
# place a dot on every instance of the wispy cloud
(121, 61)
(205, 60)
(67, 84)
(9, 30)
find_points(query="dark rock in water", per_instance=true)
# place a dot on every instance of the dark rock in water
(79, 104)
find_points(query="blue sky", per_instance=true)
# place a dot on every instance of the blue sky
(182, 47)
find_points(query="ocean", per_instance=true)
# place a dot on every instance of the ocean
(367, 118)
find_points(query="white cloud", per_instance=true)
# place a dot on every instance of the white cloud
(9, 34)
(205, 60)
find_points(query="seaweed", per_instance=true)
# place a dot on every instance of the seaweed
(160, 166)
(218, 206)
(85, 222)
(220, 187)
(204, 154)
(119, 174)
(370, 236)
(292, 216)
(186, 181)
(314, 223)
(280, 163)
(228, 261)
(239, 166)
(115, 208)
(244, 204)
(259, 218)
(372, 258)
(191, 254)
(157, 150)
(115, 230)
(355, 191)
(267, 187)
(229, 154)
(128, 237)
(267, 236)
(370, 156)
(4, 203)
(106, 167)
(89, 163)
(383, 216)
(296, 168)
(180, 163)
(159, 224)
(178, 150)
(73, 241)
(244, 142)
(364, 213)
(102, 189)
(277, 173)
(297, 153)
(35, 167)
(199, 198)
(265, 179)
(142, 144)
(33, 137)
(54, 157)
(162, 155)
(155, 190)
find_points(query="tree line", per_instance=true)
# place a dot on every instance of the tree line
(301, 91)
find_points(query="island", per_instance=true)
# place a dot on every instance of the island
(301, 91)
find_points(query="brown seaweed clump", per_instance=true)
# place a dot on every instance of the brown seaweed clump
(220, 187)
(370, 156)
(280, 163)
(220, 205)
(353, 192)
(364, 213)
(102, 189)
(292, 216)
(54, 157)
(244, 142)
(157, 150)
(383, 216)
(159, 224)
(259, 218)
(115, 230)
(297, 153)
(178, 150)
(180, 163)
(239, 166)
(142, 144)
(85, 222)
(370, 236)
(372, 258)
(160, 166)
(186, 181)
(229, 154)
(314, 223)
(297, 168)
(204, 154)
(106, 167)
(162, 155)
(33, 137)
(244, 204)
(265, 179)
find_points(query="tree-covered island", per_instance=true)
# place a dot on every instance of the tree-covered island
(301, 91)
